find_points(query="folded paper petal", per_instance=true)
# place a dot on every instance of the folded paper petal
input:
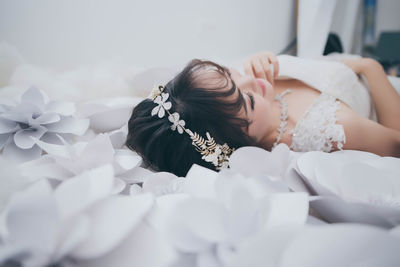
(34, 95)
(69, 125)
(7, 126)
(25, 138)
(113, 223)
(13, 152)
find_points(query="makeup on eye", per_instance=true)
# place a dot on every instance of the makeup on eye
(251, 97)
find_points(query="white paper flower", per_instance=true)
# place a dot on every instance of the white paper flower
(65, 161)
(353, 186)
(162, 105)
(328, 245)
(80, 221)
(176, 122)
(36, 118)
(217, 211)
(278, 165)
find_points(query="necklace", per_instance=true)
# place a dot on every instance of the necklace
(283, 104)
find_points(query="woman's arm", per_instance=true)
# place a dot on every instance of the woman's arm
(367, 135)
(384, 96)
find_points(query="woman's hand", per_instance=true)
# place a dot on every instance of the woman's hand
(259, 66)
(362, 65)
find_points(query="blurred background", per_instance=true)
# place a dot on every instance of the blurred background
(64, 34)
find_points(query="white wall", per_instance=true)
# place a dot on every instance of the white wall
(63, 34)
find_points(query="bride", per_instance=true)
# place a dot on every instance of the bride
(207, 111)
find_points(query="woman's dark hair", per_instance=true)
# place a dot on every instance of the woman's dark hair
(207, 100)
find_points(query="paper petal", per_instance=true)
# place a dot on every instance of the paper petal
(77, 193)
(61, 107)
(7, 126)
(200, 219)
(32, 217)
(52, 149)
(4, 138)
(113, 223)
(25, 138)
(11, 151)
(34, 95)
(69, 125)
(135, 249)
(45, 118)
(127, 159)
(342, 245)
(201, 182)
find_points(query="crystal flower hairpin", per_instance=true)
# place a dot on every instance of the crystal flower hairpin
(211, 152)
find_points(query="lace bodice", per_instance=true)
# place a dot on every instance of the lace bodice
(317, 128)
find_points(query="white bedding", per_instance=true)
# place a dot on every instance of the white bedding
(87, 202)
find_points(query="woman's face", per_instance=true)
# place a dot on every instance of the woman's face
(259, 97)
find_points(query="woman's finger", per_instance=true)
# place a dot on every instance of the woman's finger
(258, 69)
(267, 69)
(274, 61)
(248, 69)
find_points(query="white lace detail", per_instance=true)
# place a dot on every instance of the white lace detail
(317, 129)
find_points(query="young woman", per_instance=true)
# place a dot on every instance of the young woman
(207, 111)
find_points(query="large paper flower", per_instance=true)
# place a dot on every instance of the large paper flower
(36, 118)
(65, 161)
(353, 186)
(80, 222)
(216, 212)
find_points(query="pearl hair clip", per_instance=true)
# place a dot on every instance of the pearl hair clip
(211, 152)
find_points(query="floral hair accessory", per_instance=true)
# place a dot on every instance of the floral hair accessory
(211, 152)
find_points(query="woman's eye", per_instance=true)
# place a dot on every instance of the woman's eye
(251, 97)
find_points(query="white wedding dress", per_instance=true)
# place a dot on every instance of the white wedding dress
(318, 130)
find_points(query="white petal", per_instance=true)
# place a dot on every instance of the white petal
(333, 209)
(4, 138)
(97, 152)
(52, 149)
(113, 223)
(202, 220)
(285, 208)
(36, 96)
(180, 130)
(110, 119)
(61, 107)
(7, 126)
(342, 245)
(45, 118)
(11, 151)
(69, 125)
(264, 249)
(164, 96)
(127, 159)
(32, 217)
(17, 116)
(73, 233)
(75, 194)
(167, 105)
(135, 189)
(201, 182)
(156, 182)
(26, 138)
(161, 112)
(154, 111)
(134, 251)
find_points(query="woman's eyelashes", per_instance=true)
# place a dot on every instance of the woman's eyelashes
(251, 97)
